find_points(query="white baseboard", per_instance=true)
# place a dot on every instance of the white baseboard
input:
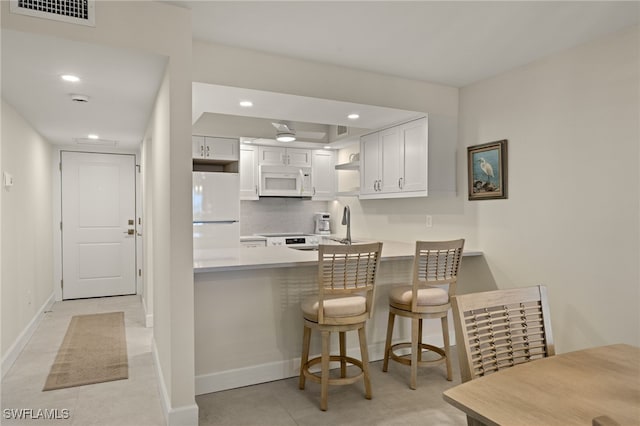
(22, 340)
(231, 379)
(182, 416)
(148, 316)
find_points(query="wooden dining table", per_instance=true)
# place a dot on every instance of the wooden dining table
(567, 389)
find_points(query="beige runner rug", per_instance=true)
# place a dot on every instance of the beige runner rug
(94, 350)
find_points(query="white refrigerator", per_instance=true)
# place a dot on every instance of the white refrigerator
(216, 210)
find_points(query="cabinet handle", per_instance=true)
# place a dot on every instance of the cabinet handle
(208, 149)
(399, 183)
(314, 190)
(201, 150)
(256, 189)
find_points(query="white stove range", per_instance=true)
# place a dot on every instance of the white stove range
(294, 240)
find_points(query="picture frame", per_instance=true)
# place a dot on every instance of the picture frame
(487, 170)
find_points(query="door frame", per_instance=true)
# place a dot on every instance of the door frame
(56, 159)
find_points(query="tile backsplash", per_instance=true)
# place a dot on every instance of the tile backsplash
(269, 215)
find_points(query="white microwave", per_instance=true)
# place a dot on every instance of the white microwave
(285, 181)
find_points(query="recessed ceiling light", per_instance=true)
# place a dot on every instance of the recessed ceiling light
(327, 147)
(71, 78)
(92, 136)
(353, 116)
(246, 104)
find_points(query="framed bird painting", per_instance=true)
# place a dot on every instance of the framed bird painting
(487, 170)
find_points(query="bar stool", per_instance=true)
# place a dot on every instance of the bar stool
(346, 283)
(434, 265)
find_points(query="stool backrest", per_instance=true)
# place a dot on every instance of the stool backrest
(500, 329)
(348, 269)
(436, 263)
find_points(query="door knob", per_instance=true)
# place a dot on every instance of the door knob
(130, 232)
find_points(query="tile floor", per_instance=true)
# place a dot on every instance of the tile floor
(393, 403)
(135, 401)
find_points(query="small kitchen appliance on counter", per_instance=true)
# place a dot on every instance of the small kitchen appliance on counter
(323, 223)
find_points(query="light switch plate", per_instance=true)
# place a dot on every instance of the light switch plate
(7, 179)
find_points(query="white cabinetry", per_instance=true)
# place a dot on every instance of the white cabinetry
(275, 155)
(212, 148)
(323, 176)
(248, 172)
(394, 161)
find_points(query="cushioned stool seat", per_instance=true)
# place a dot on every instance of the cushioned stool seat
(429, 296)
(335, 307)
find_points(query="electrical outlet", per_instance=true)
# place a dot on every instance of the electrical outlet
(8, 180)
(429, 221)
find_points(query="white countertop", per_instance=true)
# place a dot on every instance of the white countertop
(243, 258)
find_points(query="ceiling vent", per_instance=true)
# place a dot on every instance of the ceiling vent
(342, 130)
(72, 11)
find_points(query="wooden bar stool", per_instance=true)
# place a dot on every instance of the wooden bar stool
(346, 283)
(435, 264)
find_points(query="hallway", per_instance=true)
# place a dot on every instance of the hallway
(134, 401)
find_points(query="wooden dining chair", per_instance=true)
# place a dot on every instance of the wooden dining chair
(435, 275)
(346, 284)
(500, 329)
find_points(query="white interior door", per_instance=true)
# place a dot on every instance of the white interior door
(98, 225)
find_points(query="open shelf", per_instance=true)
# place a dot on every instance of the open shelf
(353, 165)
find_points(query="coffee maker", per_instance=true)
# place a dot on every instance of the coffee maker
(323, 223)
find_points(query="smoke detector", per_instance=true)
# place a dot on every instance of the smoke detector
(79, 98)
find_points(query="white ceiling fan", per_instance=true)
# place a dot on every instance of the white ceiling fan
(284, 132)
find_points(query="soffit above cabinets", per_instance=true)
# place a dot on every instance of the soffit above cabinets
(217, 111)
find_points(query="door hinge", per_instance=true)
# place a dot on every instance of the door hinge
(139, 272)
(62, 284)
(61, 226)
(60, 166)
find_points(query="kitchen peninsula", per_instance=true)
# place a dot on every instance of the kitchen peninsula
(248, 323)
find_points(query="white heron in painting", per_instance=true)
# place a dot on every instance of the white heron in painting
(486, 168)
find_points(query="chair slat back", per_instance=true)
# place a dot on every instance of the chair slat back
(436, 263)
(348, 269)
(500, 329)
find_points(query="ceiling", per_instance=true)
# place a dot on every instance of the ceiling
(452, 43)
(448, 42)
(121, 86)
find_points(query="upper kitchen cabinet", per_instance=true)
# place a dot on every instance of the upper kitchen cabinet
(278, 156)
(220, 150)
(323, 175)
(393, 161)
(248, 172)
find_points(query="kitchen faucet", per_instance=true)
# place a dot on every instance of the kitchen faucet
(346, 220)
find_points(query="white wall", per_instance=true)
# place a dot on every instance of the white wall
(27, 257)
(571, 219)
